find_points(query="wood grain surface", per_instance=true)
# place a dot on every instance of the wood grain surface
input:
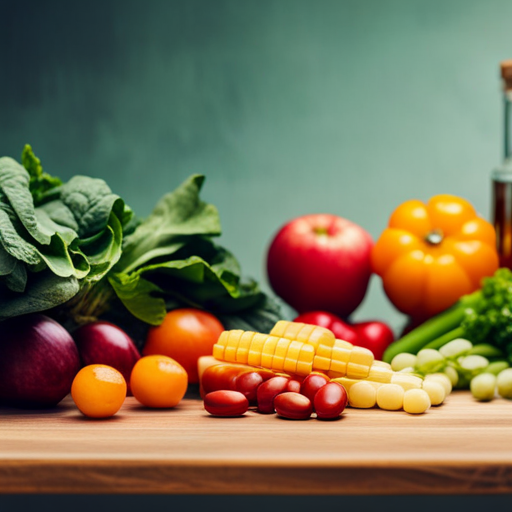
(461, 447)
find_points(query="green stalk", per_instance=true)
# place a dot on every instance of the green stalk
(458, 332)
(434, 328)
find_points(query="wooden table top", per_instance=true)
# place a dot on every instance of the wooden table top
(460, 447)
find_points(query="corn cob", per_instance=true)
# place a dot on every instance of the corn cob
(297, 349)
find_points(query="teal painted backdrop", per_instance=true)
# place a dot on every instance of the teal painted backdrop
(287, 106)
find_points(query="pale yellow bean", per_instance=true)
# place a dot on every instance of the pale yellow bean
(416, 401)
(435, 390)
(390, 397)
(362, 395)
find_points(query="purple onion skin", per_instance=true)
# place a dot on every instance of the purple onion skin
(104, 343)
(38, 361)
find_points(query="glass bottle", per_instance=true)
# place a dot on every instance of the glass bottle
(502, 176)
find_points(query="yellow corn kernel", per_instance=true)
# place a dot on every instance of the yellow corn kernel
(347, 383)
(380, 373)
(321, 363)
(416, 401)
(407, 381)
(323, 351)
(267, 353)
(435, 390)
(220, 345)
(285, 329)
(280, 354)
(242, 352)
(321, 336)
(362, 395)
(361, 355)
(305, 332)
(357, 371)
(335, 375)
(338, 366)
(292, 356)
(390, 397)
(218, 352)
(232, 345)
(381, 364)
(256, 349)
(341, 353)
(290, 330)
(342, 343)
(305, 361)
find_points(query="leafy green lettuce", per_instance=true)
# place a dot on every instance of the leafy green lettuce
(170, 260)
(54, 236)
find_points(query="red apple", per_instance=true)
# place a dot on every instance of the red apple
(38, 361)
(320, 262)
(102, 342)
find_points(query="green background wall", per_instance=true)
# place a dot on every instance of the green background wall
(287, 106)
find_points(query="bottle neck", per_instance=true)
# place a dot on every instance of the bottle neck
(507, 119)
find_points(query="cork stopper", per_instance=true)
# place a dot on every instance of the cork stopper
(506, 73)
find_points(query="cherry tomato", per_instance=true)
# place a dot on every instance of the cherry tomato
(226, 403)
(268, 390)
(330, 401)
(312, 383)
(185, 335)
(293, 406)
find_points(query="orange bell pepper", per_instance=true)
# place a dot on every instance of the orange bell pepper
(431, 254)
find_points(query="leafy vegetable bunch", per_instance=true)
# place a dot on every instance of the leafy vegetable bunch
(77, 251)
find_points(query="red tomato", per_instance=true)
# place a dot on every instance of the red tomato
(185, 335)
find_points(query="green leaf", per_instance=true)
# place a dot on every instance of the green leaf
(17, 279)
(13, 243)
(14, 187)
(85, 205)
(103, 250)
(40, 181)
(7, 262)
(179, 213)
(44, 291)
(137, 295)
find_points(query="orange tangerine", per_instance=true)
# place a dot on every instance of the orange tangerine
(98, 390)
(158, 381)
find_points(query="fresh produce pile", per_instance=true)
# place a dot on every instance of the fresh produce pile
(300, 368)
(102, 304)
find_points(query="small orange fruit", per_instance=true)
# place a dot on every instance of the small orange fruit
(186, 334)
(98, 390)
(158, 381)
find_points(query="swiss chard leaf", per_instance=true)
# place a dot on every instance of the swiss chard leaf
(179, 213)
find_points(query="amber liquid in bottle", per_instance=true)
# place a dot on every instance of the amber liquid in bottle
(502, 177)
